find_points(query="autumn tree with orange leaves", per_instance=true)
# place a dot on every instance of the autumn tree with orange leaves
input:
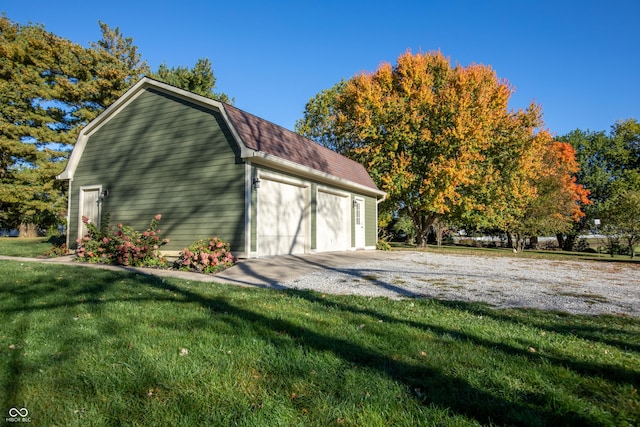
(441, 141)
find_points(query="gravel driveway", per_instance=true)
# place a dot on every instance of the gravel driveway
(578, 287)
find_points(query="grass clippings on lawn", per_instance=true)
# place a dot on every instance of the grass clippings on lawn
(95, 347)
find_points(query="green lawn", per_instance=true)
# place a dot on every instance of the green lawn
(82, 346)
(25, 247)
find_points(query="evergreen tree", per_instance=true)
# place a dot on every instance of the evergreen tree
(49, 88)
(199, 79)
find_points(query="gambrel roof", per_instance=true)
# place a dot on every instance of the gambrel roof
(260, 142)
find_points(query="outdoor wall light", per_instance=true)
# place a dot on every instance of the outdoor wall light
(103, 194)
(256, 183)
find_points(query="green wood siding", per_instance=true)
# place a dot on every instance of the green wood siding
(163, 155)
(370, 221)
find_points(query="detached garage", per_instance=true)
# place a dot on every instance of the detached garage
(212, 169)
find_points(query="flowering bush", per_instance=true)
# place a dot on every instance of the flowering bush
(207, 256)
(123, 246)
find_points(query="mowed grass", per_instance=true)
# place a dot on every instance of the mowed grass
(82, 346)
(25, 247)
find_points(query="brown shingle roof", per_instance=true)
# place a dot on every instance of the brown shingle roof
(261, 135)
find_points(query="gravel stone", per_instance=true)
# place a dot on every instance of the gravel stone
(576, 287)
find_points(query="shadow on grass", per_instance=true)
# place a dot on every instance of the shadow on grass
(70, 298)
(618, 331)
(429, 386)
(15, 367)
(561, 326)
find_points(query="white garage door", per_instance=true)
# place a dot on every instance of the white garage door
(332, 222)
(281, 218)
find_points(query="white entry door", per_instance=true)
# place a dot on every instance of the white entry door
(281, 218)
(358, 215)
(89, 207)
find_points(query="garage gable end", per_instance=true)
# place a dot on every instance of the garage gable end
(161, 153)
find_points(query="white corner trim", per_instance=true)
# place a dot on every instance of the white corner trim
(248, 192)
(244, 150)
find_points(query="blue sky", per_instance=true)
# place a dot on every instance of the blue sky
(579, 59)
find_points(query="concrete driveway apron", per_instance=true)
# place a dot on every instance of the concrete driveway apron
(271, 271)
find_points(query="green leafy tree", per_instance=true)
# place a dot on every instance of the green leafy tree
(49, 88)
(599, 158)
(404, 225)
(609, 164)
(612, 167)
(627, 133)
(199, 79)
(130, 64)
(319, 120)
(621, 219)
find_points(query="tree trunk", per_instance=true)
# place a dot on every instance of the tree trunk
(517, 243)
(439, 227)
(613, 244)
(422, 224)
(569, 242)
(632, 240)
(28, 230)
